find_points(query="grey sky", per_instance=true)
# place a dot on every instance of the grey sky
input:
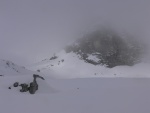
(31, 30)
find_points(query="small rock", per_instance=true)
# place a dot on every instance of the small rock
(16, 84)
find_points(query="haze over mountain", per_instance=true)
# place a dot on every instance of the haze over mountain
(76, 80)
(32, 30)
(101, 53)
(104, 71)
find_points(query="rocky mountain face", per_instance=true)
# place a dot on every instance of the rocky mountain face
(108, 48)
(102, 53)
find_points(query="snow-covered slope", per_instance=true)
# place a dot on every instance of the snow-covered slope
(82, 95)
(9, 68)
(70, 65)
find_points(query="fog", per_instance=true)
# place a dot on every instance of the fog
(32, 30)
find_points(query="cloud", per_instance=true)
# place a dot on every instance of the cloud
(32, 30)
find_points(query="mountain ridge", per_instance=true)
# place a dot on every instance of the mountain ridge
(9, 68)
(69, 65)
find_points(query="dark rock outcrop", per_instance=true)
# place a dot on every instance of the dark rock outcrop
(109, 47)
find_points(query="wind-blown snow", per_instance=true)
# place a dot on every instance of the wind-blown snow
(94, 89)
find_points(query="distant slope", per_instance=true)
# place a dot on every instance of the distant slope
(66, 65)
(101, 53)
(70, 65)
(9, 68)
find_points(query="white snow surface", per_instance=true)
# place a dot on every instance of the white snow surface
(86, 95)
(8, 68)
(93, 58)
(74, 67)
(73, 86)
